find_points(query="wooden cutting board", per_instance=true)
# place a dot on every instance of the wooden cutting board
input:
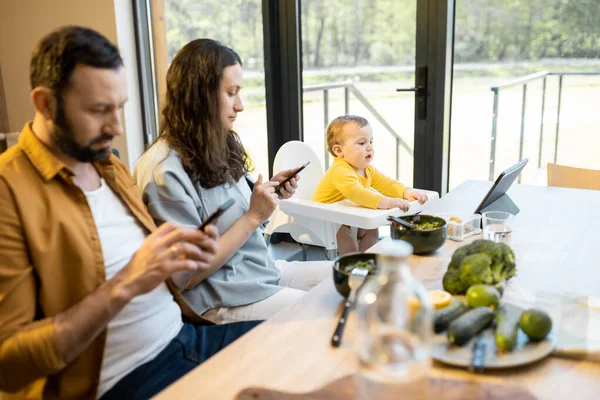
(438, 389)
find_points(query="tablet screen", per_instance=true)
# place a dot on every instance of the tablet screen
(502, 184)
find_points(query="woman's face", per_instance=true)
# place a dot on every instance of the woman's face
(230, 102)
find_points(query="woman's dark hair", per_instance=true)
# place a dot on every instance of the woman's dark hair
(57, 54)
(191, 122)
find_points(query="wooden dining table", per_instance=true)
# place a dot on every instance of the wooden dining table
(555, 240)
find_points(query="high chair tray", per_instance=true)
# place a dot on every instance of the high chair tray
(348, 213)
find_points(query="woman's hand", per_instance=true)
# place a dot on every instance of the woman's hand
(290, 187)
(412, 194)
(263, 200)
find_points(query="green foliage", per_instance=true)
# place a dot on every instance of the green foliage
(344, 33)
(235, 23)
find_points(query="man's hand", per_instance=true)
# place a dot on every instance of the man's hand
(290, 187)
(412, 194)
(182, 278)
(168, 250)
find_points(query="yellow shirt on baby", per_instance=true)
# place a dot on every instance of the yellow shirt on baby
(341, 182)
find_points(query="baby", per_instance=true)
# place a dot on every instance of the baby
(350, 141)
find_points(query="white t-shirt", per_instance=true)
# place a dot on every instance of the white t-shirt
(145, 326)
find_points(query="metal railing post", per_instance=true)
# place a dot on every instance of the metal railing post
(494, 130)
(326, 120)
(542, 123)
(521, 140)
(346, 100)
(397, 159)
(560, 80)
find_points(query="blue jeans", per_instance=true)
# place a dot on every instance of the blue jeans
(191, 347)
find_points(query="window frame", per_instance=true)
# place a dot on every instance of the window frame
(283, 74)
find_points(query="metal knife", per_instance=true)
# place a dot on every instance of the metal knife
(478, 359)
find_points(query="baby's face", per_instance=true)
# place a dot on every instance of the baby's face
(357, 147)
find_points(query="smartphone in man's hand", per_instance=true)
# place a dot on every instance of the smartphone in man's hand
(216, 214)
(289, 178)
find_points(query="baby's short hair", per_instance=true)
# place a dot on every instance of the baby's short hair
(335, 129)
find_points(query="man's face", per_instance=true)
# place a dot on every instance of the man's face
(89, 113)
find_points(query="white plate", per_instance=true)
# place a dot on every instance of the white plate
(525, 352)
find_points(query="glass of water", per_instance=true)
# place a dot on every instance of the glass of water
(495, 226)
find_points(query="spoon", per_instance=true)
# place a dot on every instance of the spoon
(403, 223)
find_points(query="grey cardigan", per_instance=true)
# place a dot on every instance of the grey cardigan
(250, 275)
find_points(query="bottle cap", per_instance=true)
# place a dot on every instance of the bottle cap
(395, 249)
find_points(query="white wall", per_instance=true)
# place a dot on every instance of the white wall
(24, 22)
(127, 48)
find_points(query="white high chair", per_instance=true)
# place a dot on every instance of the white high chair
(316, 224)
(303, 230)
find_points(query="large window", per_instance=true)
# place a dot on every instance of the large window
(237, 24)
(498, 42)
(358, 51)
(354, 56)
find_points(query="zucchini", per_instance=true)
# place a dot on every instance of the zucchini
(465, 327)
(444, 316)
(507, 328)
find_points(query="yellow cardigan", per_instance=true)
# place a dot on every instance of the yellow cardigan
(341, 182)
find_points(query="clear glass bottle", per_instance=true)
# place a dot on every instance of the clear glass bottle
(395, 327)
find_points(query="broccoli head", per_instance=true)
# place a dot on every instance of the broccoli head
(481, 261)
(478, 246)
(475, 269)
(452, 282)
(458, 256)
(509, 268)
(488, 247)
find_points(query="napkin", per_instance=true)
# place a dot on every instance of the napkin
(575, 318)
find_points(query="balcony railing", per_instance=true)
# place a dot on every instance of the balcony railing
(349, 88)
(524, 81)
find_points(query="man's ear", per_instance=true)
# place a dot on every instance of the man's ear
(44, 101)
(337, 150)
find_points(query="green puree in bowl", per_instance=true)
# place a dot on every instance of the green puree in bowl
(426, 225)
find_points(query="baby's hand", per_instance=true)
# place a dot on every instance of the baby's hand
(412, 194)
(401, 204)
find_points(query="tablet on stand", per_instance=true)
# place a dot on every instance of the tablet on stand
(496, 198)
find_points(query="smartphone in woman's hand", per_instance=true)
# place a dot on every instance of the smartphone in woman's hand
(289, 178)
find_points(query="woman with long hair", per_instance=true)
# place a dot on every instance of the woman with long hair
(197, 163)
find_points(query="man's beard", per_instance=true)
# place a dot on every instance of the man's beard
(64, 138)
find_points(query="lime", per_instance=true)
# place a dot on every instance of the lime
(483, 296)
(535, 323)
